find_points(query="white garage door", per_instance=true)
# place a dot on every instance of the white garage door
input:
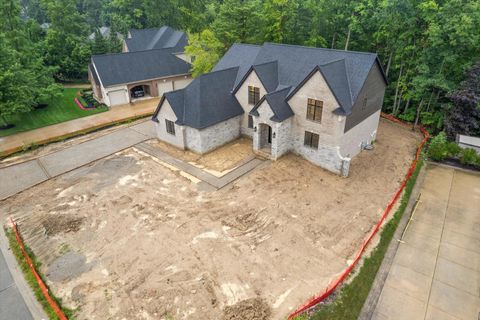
(164, 87)
(117, 97)
(180, 84)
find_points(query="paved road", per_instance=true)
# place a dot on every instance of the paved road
(19, 177)
(12, 305)
(436, 270)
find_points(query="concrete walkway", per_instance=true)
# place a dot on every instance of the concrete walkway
(19, 177)
(16, 142)
(217, 182)
(436, 271)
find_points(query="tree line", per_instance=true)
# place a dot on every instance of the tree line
(426, 46)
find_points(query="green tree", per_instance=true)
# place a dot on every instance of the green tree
(66, 43)
(280, 18)
(205, 49)
(24, 78)
(15, 95)
(238, 21)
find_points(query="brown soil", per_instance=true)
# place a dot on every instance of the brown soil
(156, 247)
(55, 224)
(219, 160)
(250, 309)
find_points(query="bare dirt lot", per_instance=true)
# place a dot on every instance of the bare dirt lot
(128, 238)
(218, 162)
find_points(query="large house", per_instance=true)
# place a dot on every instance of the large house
(152, 62)
(321, 104)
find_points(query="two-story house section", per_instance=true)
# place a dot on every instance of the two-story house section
(321, 104)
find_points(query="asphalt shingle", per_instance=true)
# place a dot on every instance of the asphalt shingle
(206, 101)
(156, 38)
(121, 68)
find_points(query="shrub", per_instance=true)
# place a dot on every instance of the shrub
(437, 149)
(469, 156)
(453, 150)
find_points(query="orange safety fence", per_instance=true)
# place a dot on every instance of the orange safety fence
(312, 302)
(40, 282)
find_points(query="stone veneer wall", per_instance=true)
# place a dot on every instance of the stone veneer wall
(167, 113)
(204, 140)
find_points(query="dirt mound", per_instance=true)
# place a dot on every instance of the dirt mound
(55, 224)
(250, 309)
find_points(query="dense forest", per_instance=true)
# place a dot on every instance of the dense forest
(427, 47)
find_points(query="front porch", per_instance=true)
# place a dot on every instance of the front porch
(271, 139)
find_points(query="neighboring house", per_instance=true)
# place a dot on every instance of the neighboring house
(321, 104)
(152, 62)
(105, 33)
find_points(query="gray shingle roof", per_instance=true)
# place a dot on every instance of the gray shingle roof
(282, 70)
(296, 63)
(156, 38)
(278, 104)
(241, 56)
(120, 68)
(206, 101)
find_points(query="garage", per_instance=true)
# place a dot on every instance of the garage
(180, 84)
(117, 97)
(164, 86)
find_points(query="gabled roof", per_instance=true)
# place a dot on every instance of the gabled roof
(127, 67)
(156, 38)
(206, 101)
(94, 74)
(278, 104)
(241, 56)
(347, 70)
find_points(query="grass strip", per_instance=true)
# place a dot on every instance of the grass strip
(61, 109)
(350, 299)
(30, 278)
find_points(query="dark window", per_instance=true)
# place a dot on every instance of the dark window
(170, 126)
(311, 139)
(250, 121)
(314, 110)
(253, 94)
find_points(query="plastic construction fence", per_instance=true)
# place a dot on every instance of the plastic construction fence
(58, 311)
(312, 302)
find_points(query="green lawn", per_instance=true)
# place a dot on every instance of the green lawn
(61, 109)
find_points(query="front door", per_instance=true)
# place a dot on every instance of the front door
(269, 134)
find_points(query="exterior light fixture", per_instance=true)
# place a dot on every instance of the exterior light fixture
(255, 129)
(274, 135)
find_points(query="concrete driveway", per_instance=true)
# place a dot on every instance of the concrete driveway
(19, 177)
(436, 270)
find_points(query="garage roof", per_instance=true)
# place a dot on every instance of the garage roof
(127, 67)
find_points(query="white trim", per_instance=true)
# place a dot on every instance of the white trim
(140, 81)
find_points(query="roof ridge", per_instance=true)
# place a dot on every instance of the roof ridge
(279, 90)
(264, 63)
(217, 71)
(158, 35)
(148, 28)
(246, 44)
(331, 62)
(348, 82)
(132, 52)
(319, 48)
